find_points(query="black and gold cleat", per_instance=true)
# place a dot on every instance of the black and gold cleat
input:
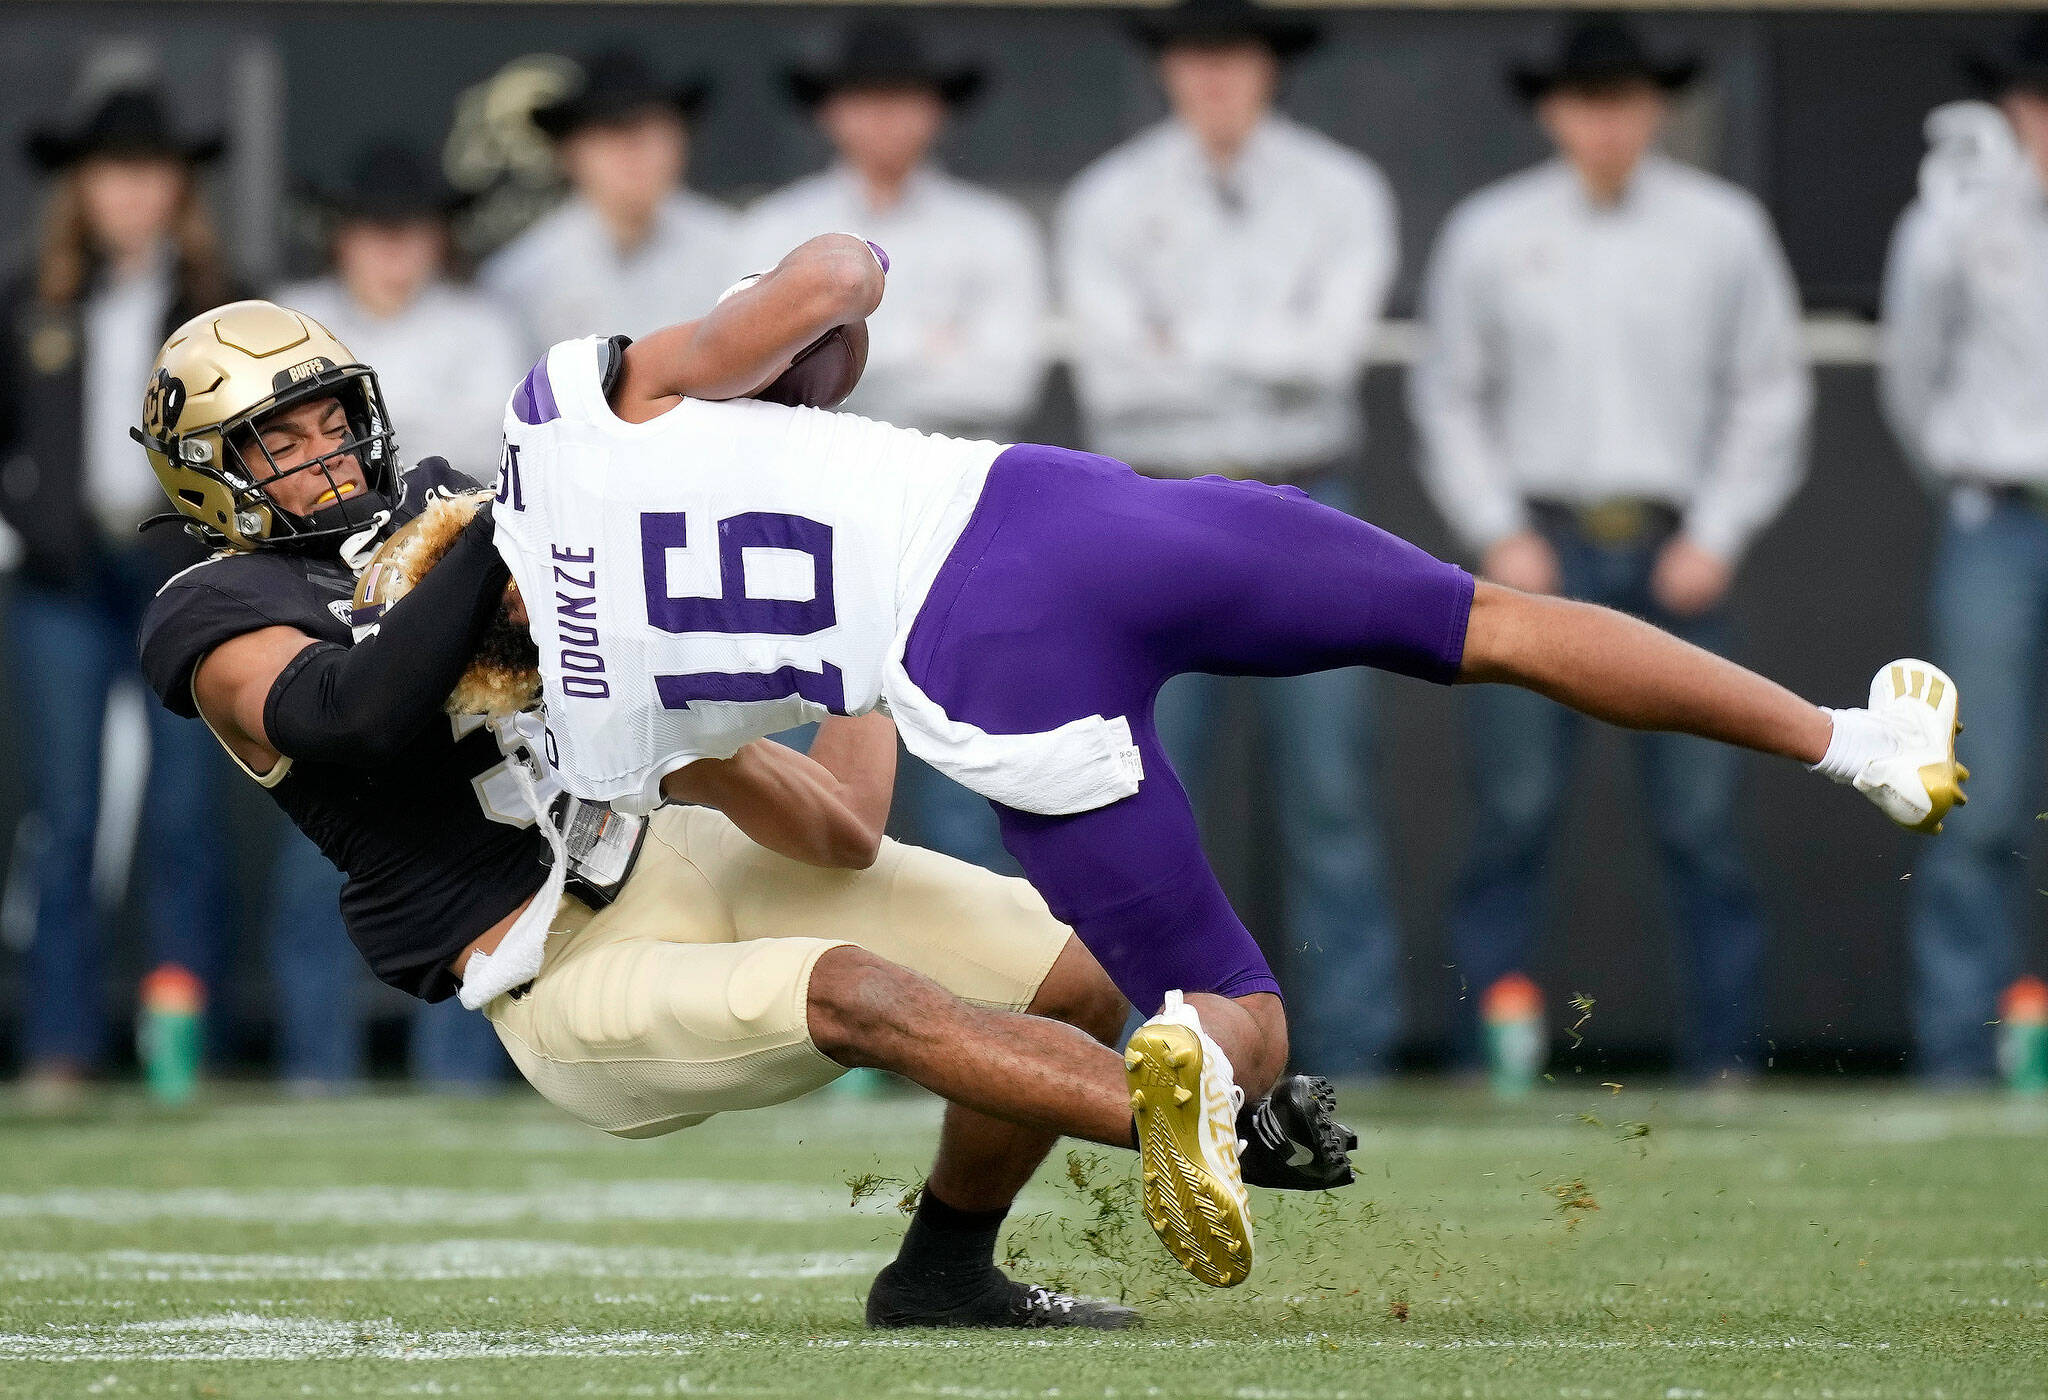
(992, 1300)
(1291, 1139)
(1184, 1104)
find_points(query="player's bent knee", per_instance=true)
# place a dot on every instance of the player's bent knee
(1253, 1029)
(1077, 991)
(857, 1005)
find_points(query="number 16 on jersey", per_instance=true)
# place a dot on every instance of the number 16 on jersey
(732, 611)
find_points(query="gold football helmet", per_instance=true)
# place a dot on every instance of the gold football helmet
(217, 377)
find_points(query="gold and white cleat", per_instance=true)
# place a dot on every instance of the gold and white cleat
(1184, 1102)
(1919, 781)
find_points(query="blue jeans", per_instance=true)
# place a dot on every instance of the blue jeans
(318, 976)
(67, 650)
(1990, 621)
(1523, 747)
(454, 1050)
(1344, 988)
(322, 983)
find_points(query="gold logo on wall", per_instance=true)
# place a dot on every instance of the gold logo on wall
(495, 152)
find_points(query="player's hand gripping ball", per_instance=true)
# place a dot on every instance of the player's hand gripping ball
(823, 372)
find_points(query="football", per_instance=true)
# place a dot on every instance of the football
(823, 372)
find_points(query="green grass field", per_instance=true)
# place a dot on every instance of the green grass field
(1595, 1242)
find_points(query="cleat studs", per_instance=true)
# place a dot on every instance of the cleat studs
(1182, 1096)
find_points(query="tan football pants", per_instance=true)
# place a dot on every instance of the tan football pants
(687, 996)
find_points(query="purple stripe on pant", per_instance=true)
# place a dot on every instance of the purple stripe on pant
(1078, 588)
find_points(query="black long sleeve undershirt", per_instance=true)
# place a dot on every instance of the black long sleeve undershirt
(361, 705)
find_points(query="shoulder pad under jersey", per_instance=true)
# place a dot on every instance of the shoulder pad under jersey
(611, 363)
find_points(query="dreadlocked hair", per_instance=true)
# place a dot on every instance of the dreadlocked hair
(504, 678)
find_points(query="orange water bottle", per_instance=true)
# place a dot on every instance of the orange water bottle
(167, 1033)
(2023, 1036)
(1512, 1011)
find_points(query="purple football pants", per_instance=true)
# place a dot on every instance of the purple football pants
(1078, 588)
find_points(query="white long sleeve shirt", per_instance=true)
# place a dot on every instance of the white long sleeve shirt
(1580, 353)
(1964, 359)
(1221, 318)
(958, 343)
(124, 325)
(446, 364)
(566, 276)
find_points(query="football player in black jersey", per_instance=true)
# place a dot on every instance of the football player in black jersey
(753, 977)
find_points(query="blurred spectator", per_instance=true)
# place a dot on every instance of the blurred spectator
(1613, 399)
(957, 346)
(126, 253)
(1965, 362)
(631, 250)
(1224, 273)
(446, 358)
(446, 355)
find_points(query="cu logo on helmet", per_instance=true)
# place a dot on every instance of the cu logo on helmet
(163, 403)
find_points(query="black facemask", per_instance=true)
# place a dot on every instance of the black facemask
(370, 443)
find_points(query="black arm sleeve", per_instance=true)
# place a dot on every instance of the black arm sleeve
(362, 705)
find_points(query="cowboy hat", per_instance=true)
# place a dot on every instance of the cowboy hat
(2022, 63)
(882, 53)
(1601, 50)
(616, 86)
(391, 183)
(1212, 23)
(129, 121)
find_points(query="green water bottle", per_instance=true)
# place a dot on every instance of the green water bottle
(2023, 1036)
(167, 1033)
(1512, 1013)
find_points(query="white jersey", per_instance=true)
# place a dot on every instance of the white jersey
(719, 574)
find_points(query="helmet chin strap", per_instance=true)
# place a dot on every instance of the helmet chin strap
(363, 514)
(360, 548)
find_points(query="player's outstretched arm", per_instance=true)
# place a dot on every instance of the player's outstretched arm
(1620, 669)
(277, 691)
(826, 808)
(748, 339)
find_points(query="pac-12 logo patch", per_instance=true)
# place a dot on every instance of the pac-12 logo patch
(343, 610)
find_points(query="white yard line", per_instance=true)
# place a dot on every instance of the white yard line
(557, 1202)
(432, 1261)
(252, 1337)
(237, 1336)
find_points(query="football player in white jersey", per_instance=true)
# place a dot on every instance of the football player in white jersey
(701, 973)
(702, 568)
